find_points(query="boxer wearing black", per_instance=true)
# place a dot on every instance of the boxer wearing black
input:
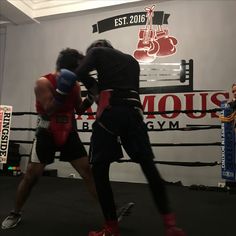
(120, 122)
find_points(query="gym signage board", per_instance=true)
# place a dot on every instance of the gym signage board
(5, 124)
(227, 144)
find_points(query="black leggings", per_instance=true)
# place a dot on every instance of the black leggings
(105, 193)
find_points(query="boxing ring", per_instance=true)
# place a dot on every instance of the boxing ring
(13, 168)
(183, 129)
(201, 210)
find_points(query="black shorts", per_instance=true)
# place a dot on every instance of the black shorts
(120, 125)
(44, 149)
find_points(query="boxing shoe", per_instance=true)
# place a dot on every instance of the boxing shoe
(174, 231)
(12, 220)
(170, 226)
(124, 210)
(110, 229)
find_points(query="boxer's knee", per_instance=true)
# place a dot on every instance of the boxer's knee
(33, 173)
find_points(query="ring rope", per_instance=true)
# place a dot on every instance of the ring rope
(175, 163)
(145, 113)
(153, 144)
(187, 128)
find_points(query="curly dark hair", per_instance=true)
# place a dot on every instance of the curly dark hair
(68, 59)
(100, 43)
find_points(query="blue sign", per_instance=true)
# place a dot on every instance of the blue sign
(228, 159)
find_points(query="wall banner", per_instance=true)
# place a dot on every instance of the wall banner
(130, 19)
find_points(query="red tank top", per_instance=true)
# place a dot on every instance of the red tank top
(62, 122)
(70, 102)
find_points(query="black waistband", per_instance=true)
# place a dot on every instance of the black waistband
(125, 97)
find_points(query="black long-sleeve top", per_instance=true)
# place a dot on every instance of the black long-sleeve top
(116, 70)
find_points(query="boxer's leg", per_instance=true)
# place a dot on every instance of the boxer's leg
(33, 172)
(82, 166)
(42, 153)
(137, 145)
(106, 199)
(103, 150)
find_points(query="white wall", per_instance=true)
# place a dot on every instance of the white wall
(205, 32)
(2, 55)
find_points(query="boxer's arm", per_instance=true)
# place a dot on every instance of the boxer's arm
(87, 102)
(44, 93)
(87, 65)
(83, 105)
(79, 99)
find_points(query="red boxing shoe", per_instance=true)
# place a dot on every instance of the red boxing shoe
(110, 229)
(174, 231)
(170, 226)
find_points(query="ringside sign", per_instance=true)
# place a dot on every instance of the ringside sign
(5, 124)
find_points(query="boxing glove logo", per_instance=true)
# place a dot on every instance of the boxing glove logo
(152, 42)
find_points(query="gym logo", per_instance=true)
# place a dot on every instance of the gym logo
(152, 42)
